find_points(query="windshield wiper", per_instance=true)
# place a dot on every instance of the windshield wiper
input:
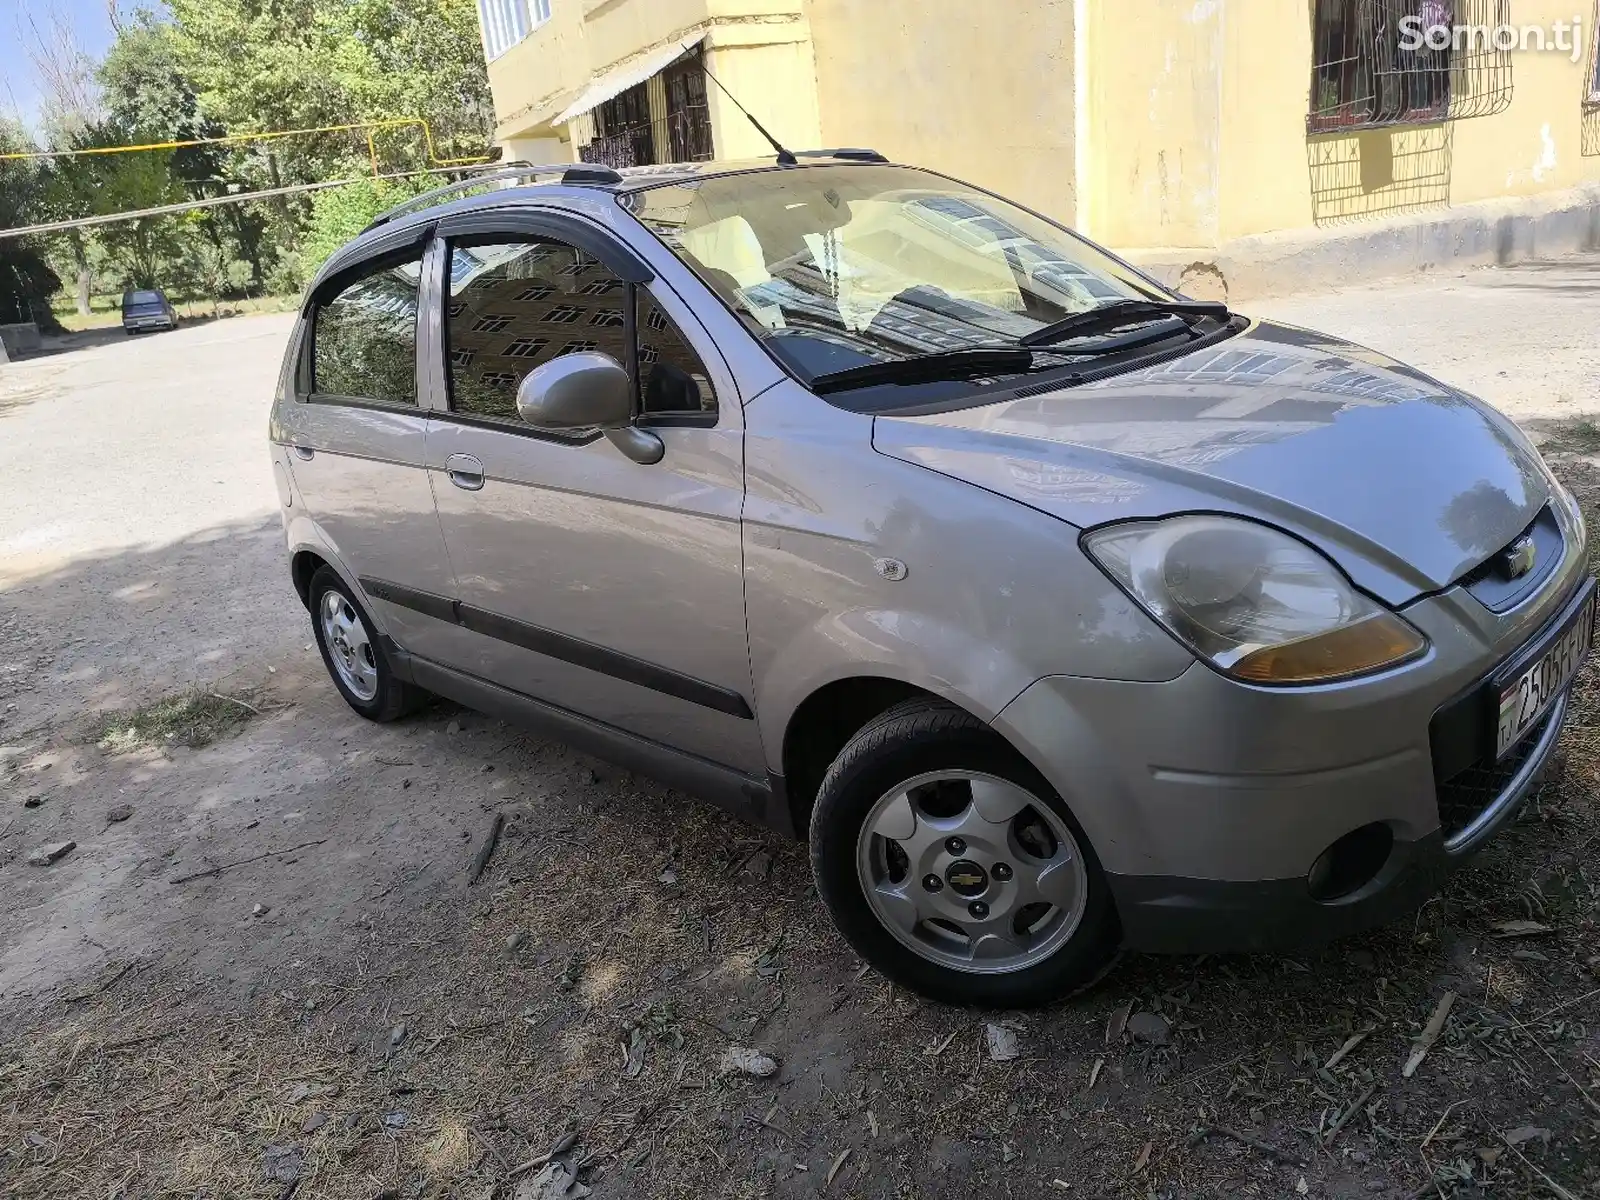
(926, 368)
(1115, 316)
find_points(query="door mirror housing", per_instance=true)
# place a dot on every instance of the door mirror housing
(587, 390)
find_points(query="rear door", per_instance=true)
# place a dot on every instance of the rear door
(358, 439)
(587, 580)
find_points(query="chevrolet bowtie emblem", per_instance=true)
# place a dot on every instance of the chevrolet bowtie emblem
(1520, 558)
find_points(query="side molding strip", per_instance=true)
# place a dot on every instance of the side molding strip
(568, 649)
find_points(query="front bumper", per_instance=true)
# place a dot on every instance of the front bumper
(1209, 802)
(1189, 916)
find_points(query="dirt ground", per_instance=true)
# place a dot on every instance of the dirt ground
(263, 972)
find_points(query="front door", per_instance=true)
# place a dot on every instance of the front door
(358, 442)
(586, 580)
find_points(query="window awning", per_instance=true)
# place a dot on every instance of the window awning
(611, 84)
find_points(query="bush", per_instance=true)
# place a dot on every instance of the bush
(339, 214)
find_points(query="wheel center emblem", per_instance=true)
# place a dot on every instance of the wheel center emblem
(967, 878)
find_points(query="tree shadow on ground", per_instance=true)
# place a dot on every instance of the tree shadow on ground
(395, 1026)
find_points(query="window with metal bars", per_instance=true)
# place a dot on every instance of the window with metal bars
(622, 131)
(1379, 63)
(688, 112)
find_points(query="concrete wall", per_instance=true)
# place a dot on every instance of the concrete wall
(981, 91)
(1152, 121)
(769, 66)
(1161, 124)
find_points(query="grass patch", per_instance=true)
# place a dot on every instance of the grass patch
(194, 719)
(1581, 436)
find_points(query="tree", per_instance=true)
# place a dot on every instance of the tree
(26, 280)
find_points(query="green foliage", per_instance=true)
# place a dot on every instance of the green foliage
(339, 214)
(26, 280)
(205, 69)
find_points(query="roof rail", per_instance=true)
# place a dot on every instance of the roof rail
(849, 153)
(576, 173)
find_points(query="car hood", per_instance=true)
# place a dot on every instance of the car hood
(1407, 483)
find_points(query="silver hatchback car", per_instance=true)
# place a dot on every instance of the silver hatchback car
(1061, 613)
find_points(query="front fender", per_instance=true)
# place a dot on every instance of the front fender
(914, 648)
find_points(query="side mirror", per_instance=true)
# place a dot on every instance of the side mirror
(587, 390)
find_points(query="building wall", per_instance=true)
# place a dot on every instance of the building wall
(1152, 123)
(530, 80)
(981, 91)
(1156, 124)
(769, 67)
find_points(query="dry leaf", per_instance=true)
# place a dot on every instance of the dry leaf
(1516, 929)
(1094, 1073)
(872, 1122)
(1430, 1034)
(1339, 1055)
(1526, 1133)
(933, 1051)
(837, 1163)
(1144, 1157)
(1118, 1022)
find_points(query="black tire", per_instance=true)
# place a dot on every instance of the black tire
(911, 739)
(394, 697)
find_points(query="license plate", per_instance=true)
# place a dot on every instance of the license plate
(1528, 695)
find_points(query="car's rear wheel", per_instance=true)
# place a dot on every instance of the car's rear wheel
(354, 654)
(951, 865)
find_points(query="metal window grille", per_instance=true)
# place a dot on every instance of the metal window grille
(1369, 70)
(561, 314)
(490, 324)
(626, 136)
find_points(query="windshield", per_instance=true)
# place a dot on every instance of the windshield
(133, 298)
(838, 267)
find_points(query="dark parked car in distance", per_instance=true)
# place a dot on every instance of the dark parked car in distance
(145, 309)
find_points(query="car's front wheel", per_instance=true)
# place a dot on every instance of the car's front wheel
(353, 654)
(951, 865)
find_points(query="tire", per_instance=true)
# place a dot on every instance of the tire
(359, 668)
(1028, 950)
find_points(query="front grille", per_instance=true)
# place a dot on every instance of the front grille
(1466, 794)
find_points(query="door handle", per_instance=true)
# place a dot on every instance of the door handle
(305, 452)
(465, 471)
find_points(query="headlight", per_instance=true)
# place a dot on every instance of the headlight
(1255, 603)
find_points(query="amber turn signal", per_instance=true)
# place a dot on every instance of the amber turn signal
(1381, 640)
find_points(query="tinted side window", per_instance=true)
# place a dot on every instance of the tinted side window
(364, 343)
(514, 305)
(673, 380)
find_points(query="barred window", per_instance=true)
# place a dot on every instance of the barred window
(1406, 62)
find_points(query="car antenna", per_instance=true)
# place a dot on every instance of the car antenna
(786, 157)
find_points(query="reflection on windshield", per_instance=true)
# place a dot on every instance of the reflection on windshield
(838, 266)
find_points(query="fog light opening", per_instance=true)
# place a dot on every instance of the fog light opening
(1350, 863)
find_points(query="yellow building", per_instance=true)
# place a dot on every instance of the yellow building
(1254, 140)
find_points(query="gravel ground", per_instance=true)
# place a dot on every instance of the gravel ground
(343, 1015)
